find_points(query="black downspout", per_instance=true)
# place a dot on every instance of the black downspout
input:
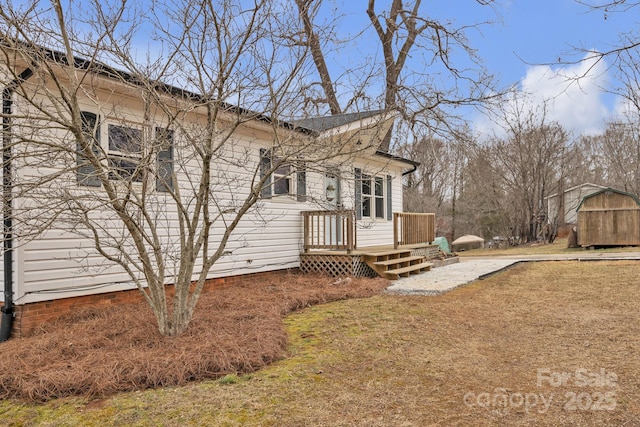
(7, 204)
(410, 170)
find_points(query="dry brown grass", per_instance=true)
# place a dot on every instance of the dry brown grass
(412, 360)
(395, 360)
(98, 352)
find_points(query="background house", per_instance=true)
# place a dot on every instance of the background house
(563, 206)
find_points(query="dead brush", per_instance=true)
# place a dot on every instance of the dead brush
(99, 352)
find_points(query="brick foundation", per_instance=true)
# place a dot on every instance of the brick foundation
(30, 316)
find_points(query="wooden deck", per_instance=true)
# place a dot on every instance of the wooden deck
(366, 250)
(337, 231)
(331, 245)
(371, 261)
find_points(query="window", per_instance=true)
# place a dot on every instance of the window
(281, 180)
(366, 196)
(379, 197)
(125, 153)
(373, 197)
(86, 172)
(164, 177)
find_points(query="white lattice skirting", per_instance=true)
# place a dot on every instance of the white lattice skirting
(335, 265)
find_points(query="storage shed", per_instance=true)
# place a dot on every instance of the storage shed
(609, 218)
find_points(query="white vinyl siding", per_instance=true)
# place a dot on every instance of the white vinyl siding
(60, 264)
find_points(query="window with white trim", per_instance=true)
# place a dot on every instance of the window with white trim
(366, 196)
(378, 197)
(86, 172)
(125, 152)
(281, 180)
(373, 197)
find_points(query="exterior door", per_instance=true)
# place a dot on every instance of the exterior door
(332, 224)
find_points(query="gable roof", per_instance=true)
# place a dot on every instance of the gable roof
(608, 189)
(321, 124)
(575, 187)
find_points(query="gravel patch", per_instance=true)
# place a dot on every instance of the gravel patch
(443, 279)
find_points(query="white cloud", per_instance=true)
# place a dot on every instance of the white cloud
(574, 95)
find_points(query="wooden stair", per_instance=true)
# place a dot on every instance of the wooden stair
(393, 264)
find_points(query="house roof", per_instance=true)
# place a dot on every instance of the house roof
(310, 126)
(576, 187)
(390, 156)
(612, 190)
(321, 124)
(102, 69)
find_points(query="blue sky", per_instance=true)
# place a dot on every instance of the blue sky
(524, 44)
(521, 46)
(534, 44)
(534, 32)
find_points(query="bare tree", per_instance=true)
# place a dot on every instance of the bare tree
(484, 203)
(416, 70)
(620, 148)
(529, 161)
(307, 10)
(161, 199)
(427, 188)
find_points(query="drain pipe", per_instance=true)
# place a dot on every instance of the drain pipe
(412, 170)
(7, 204)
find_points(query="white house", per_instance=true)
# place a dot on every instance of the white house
(332, 165)
(564, 208)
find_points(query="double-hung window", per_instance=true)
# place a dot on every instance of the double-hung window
(378, 197)
(125, 153)
(86, 171)
(164, 173)
(366, 196)
(373, 196)
(281, 179)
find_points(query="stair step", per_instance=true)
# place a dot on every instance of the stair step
(388, 253)
(399, 260)
(406, 271)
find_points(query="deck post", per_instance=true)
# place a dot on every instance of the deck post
(395, 230)
(350, 232)
(305, 218)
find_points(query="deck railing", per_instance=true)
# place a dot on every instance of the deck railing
(412, 228)
(331, 230)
